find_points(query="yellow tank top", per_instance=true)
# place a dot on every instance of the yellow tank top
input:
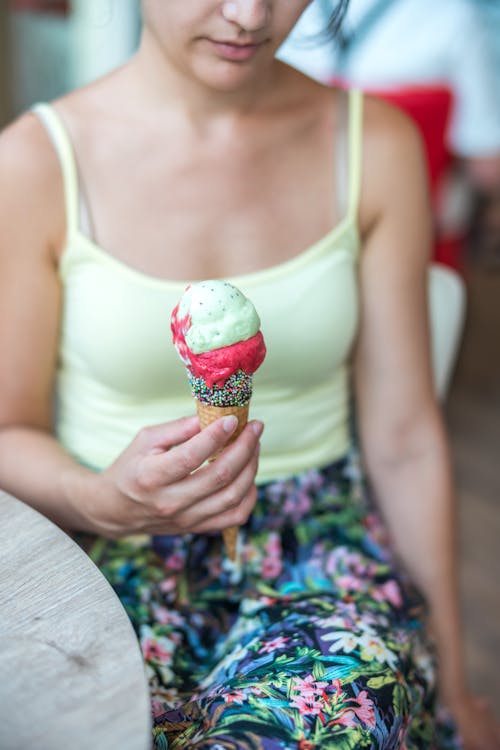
(118, 370)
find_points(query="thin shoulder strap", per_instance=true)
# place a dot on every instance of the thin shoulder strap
(342, 158)
(355, 151)
(62, 144)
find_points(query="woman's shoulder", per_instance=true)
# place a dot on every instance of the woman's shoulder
(394, 161)
(30, 166)
(387, 127)
(384, 124)
(26, 152)
(102, 98)
(31, 186)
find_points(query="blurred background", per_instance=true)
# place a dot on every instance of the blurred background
(51, 46)
(440, 62)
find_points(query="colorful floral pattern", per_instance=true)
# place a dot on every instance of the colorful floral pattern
(316, 640)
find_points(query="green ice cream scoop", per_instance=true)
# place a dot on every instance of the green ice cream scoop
(220, 316)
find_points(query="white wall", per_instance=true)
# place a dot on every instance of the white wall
(51, 54)
(104, 34)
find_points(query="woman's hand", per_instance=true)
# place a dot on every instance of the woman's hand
(477, 725)
(161, 484)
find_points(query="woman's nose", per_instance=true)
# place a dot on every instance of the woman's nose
(250, 15)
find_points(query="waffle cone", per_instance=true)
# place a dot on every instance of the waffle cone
(208, 414)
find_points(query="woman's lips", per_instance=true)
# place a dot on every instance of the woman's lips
(235, 52)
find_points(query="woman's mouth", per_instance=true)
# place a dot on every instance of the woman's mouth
(234, 51)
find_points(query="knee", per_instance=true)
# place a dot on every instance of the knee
(313, 710)
(339, 707)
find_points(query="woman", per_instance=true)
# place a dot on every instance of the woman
(204, 157)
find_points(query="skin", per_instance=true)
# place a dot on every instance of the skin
(257, 119)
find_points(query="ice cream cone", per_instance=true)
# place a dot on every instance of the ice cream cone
(216, 331)
(208, 414)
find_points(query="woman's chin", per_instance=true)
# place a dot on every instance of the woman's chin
(229, 77)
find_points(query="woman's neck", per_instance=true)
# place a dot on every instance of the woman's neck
(159, 84)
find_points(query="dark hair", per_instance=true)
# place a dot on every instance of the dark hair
(335, 21)
(332, 30)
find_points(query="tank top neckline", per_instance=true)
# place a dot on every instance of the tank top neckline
(76, 236)
(253, 277)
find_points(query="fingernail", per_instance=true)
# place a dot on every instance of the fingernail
(258, 428)
(229, 424)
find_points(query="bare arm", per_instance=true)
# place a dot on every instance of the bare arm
(401, 430)
(30, 231)
(159, 484)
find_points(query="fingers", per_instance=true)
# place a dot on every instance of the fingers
(180, 462)
(230, 506)
(235, 517)
(161, 437)
(177, 490)
(220, 475)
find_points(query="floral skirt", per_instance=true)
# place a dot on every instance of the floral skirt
(315, 639)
